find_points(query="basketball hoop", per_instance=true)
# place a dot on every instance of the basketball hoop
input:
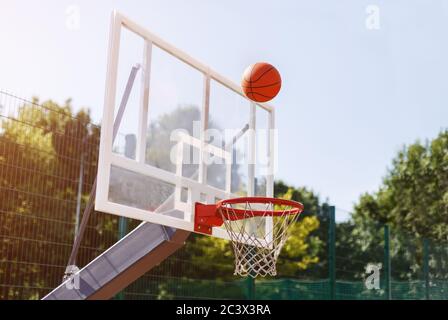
(245, 219)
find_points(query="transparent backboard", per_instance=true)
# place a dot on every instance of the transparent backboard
(187, 134)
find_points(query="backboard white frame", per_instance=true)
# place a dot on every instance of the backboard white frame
(107, 157)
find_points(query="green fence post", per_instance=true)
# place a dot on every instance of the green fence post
(426, 267)
(122, 231)
(332, 251)
(387, 263)
(250, 288)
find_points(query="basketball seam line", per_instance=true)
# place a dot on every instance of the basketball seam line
(253, 93)
(268, 85)
(261, 76)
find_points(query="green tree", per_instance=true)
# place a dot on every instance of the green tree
(40, 150)
(318, 238)
(302, 247)
(413, 200)
(414, 194)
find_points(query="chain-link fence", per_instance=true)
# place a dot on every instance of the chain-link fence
(48, 161)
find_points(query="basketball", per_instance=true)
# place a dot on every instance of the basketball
(261, 82)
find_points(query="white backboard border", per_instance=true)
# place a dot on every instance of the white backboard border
(107, 158)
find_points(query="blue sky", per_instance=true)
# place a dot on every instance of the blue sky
(351, 96)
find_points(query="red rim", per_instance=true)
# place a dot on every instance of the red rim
(235, 214)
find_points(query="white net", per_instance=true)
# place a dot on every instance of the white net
(258, 232)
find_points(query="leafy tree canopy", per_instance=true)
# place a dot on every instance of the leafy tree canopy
(414, 193)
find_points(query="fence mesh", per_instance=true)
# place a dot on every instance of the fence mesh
(48, 161)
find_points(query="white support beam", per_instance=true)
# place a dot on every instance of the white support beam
(252, 150)
(204, 127)
(144, 103)
(107, 126)
(271, 155)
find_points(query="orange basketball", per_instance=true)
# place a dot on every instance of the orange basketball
(261, 82)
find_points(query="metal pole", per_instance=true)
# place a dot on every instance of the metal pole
(332, 251)
(426, 267)
(387, 263)
(79, 197)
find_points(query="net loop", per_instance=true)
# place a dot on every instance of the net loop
(258, 228)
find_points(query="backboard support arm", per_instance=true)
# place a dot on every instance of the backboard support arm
(90, 203)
